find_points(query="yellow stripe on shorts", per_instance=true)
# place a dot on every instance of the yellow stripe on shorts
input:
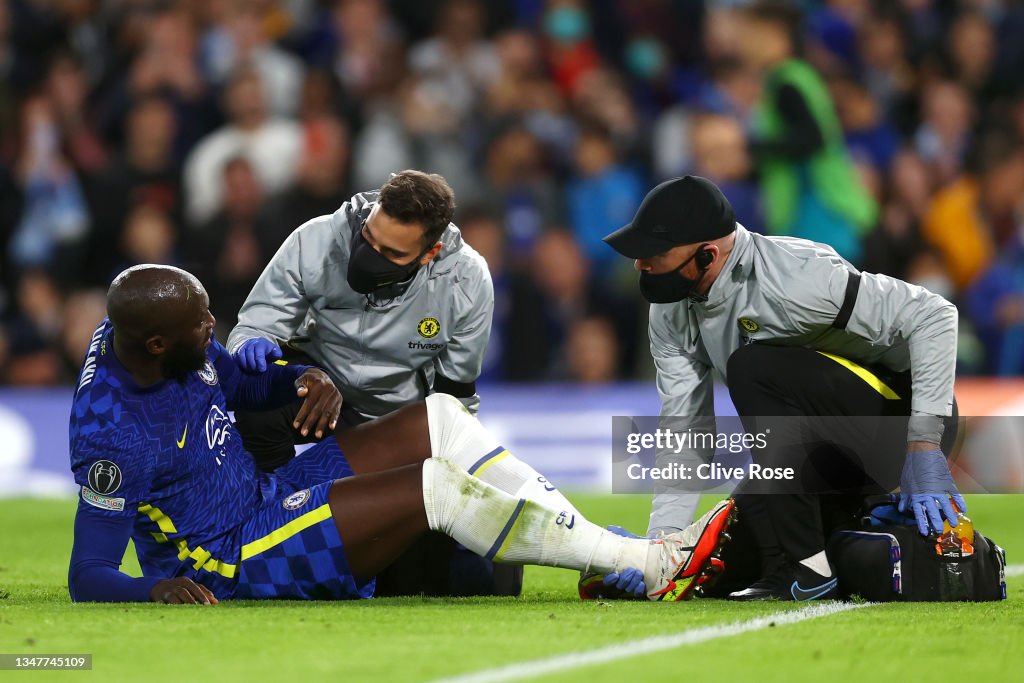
(282, 534)
(866, 375)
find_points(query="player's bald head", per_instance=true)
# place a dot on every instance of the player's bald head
(152, 299)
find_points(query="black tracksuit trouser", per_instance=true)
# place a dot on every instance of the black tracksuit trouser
(840, 425)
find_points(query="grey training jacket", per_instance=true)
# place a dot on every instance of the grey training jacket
(791, 291)
(382, 354)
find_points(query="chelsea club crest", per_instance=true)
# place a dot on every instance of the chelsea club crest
(208, 374)
(296, 500)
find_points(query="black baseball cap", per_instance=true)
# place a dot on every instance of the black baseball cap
(680, 211)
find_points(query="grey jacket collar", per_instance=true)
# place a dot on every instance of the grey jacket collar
(737, 270)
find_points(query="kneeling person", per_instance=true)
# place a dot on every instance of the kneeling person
(159, 462)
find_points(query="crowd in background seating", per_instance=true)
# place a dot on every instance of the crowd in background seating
(200, 133)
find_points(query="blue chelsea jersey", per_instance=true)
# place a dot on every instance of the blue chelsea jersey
(167, 456)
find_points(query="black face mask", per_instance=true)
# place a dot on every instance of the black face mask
(369, 271)
(670, 287)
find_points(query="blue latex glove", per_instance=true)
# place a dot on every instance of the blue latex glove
(630, 580)
(253, 355)
(925, 488)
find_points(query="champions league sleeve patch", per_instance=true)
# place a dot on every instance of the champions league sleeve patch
(104, 477)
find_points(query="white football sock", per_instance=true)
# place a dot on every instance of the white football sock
(818, 563)
(458, 436)
(512, 530)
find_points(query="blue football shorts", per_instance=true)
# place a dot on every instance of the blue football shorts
(290, 547)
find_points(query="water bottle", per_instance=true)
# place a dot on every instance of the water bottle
(953, 545)
(956, 542)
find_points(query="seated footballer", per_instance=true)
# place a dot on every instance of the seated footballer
(158, 461)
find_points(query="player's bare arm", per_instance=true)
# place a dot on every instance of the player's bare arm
(321, 406)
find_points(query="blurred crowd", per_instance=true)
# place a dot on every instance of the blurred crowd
(200, 133)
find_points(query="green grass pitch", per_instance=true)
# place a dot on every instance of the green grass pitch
(421, 639)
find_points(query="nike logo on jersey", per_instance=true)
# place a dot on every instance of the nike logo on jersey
(181, 441)
(799, 593)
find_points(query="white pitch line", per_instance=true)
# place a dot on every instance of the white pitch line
(634, 648)
(1015, 570)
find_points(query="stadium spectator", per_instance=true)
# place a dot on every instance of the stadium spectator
(898, 240)
(883, 54)
(31, 333)
(40, 304)
(831, 35)
(231, 248)
(83, 311)
(870, 136)
(972, 54)
(519, 64)
(647, 62)
(31, 360)
(592, 350)
(996, 305)
(144, 171)
(434, 137)
(972, 218)
(720, 154)
(602, 195)
(482, 231)
(418, 128)
(944, 135)
(237, 37)
(601, 99)
(365, 49)
(161, 57)
(149, 236)
(321, 183)
(561, 291)
(54, 221)
(322, 96)
(555, 293)
(570, 49)
(722, 31)
(67, 89)
(523, 92)
(520, 190)
(458, 62)
(808, 183)
(271, 145)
